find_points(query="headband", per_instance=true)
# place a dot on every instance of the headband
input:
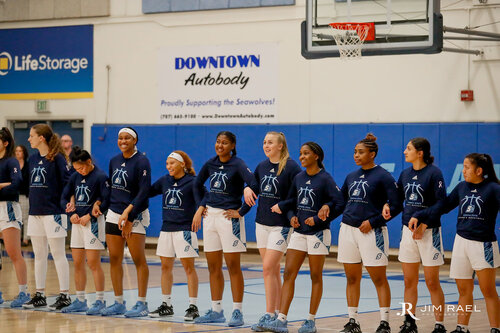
(129, 131)
(176, 156)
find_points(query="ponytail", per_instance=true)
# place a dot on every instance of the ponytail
(52, 140)
(485, 162)
(188, 163)
(79, 155)
(6, 136)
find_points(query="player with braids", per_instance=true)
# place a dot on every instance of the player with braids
(47, 220)
(314, 200)
(363, 236)
(476, 248)
(10, 213)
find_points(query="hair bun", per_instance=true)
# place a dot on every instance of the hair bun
(370, 137)
(76, 150)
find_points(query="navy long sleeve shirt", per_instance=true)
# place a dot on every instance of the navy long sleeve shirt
(366, 192)
(47, 180)
(130, 180)
(306, 197)
(478, 206)
(178, 201)
(272, 189)
(10, 172)
(87, 190)
(227, 181)
(424, 193)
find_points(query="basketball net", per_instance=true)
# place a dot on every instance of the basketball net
(349, 38)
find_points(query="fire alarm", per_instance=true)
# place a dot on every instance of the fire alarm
(467, 95)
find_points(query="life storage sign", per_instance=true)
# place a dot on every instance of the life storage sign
(47, 63)
(218, 84)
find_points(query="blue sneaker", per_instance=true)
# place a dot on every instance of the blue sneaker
(276, 326)
(258, 327)
(20, 300)
(140, 309)
(114, 310)
(76, 306)
(1, 299)
(96, 308)
(236, 319)
(309, 326)
(211, 317)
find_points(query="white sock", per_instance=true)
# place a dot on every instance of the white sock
(23, 288)
(465, 327)
(237, 306)
(167, 299)
(58, 250)
(119, 299)
(193, 300)
(276, 313)
(353, 312)
(217, 306)
(282, 317)
(439, 322)
(99, 295)
(80, 295)
(141, 299)
(311, 317)
(65, 293)
(384, 314)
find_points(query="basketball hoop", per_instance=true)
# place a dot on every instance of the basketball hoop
(349, 38)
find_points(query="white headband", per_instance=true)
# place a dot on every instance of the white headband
(176, 156)
(129, 131)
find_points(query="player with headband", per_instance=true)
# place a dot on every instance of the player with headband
(127, 220)
(177, 236)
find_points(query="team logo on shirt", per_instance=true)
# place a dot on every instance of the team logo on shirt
(173, 197)
(306, 196)
(38, 175)
(218, 180)
(358, 188)
(416, 193)
(269, 184)
(82, 194)
(471, 204)
(119, 177)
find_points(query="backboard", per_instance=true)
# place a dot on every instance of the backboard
(401, 26)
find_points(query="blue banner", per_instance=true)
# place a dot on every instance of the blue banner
(54, 62)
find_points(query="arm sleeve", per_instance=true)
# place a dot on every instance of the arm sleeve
(16, 178)
(244, 207)
(68, 191)
(104, 193)
(433, 212)
(62, 169)
(335, 201)
(395, 204)
(156, 189)
(199, 189)
(247, 176)
(451, 201)
(144, 184)
(289, 205)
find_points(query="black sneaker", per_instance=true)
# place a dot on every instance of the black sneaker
(351, 327)
(494, 330)
(408, 327)
(162, 311)
(191, 313)
(61, 302)
(383, 327)
(459, 329)
(438, 328)
(37, 301)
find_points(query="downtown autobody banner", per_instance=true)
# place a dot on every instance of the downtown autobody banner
(46, 63)
(218, 84)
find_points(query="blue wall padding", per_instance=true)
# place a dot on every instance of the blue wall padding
(450, 143)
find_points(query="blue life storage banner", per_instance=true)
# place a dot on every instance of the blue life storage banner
(54, 62)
